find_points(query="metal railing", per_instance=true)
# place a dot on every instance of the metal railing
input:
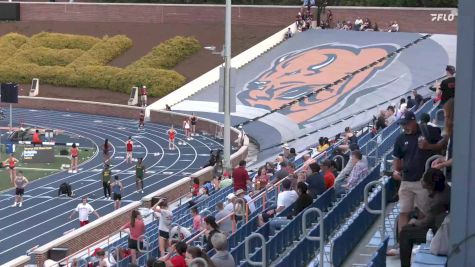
(320, 238)
(382, 211)
(264, 250)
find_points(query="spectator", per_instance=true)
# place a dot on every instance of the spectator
(418, 99)
(211, 228)
(168, 108)
(280, 158)
(282, 173)
(231, 200)
(394, 27)
(224, 220)
(102, 259)
(136, 227)
(293, 178)
(323, 144)
(390, 115)
(303, 201)
(284, 199)
(446, 89)
(262, 179)
(301, 177)
(164, 225)
(196, 219)
(359, 170)
(178, 233)
(316, 182)
(292, 155)
(241, 177)
(415, 231)
(328, 175)
(307, 161)
(285, 151)
(402, 108)
(288, 34)
(350, 138)
(84, 209)
(410, 102)
(226, 181)
(242, 194)
(196, 252)
(346, 171)
(381, 121)
(179, 259)
(409, 166)
(222, 258)
(366, 25)
(358, 24)
(270, 168)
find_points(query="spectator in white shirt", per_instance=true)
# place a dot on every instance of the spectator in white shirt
(390, 115)
(285, 198)
(164, 224)
(358, 24)
(83, 209)
(402, 108)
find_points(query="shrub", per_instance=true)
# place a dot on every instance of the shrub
(103, 52)
(168, 54)
(62, 41)
(9, 43)
(95, 77)
(45, 56)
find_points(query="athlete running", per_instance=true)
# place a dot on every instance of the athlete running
(193, 120)
(106, 180)
(117, 190)
(20, 183)
(141, 120)
(139, 174)
(129, 145)
(186, 126)
(171, 138)
(74, 158)
(11, 163)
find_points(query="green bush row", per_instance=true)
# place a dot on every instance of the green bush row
(103, 52)
(160, 82)
(168, 54)
(9, 43)
(62, 41)
(45, 56)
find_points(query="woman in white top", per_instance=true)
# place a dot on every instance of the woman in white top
(187, 127)
(164, 224)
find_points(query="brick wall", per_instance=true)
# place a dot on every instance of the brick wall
(411, 20)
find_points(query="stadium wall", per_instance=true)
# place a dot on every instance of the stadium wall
(410, 19)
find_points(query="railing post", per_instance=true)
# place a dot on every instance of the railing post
(264, 250)
(146, 252)
(383, 204)
(320, 238)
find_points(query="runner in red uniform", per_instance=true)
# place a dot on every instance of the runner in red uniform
(141, 120)
(74, 158)
(36, 140)
(129, 145)
(11, 163)
(171, 138)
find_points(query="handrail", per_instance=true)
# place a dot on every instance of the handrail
(264, 250)
(241, 211)
(148, 245)
(198, 260)
(431, 159)
(382, 211)
(320, 238)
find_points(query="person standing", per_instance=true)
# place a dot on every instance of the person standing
(11, 162)
(136, 227)
(106, 151)
(84, 209)
(164, 225)
(106, 181)
(20, 183)
(193, 120)
(241, 177)
(143, 96)
(141, 120)
(117, 190)
(74, 151)
(186, 126)
(36, 140)
(139, 174)
(129, 145)
(171, 138)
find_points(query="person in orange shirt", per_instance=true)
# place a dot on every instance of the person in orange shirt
(171, 138)
(11, 163)
(36, 140)
(74, 158)
(328, 175)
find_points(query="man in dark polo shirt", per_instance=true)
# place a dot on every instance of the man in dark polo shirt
(241, 177)
(409, 166)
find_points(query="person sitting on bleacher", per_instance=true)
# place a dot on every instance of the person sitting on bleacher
(285, 198)
(222, 258)
(242, 194)
(179, 253)
(315, 181)
(328, 175)
(307, 161)
(323, 144)
(303, 201)
(415, 231)
(196, 219)
(223, 218)
(409, 166)
(281, 173)
(342, 177)
(292, 155)
(359, 170)
(211, 228)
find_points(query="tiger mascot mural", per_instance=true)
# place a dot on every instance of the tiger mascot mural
(301, 72)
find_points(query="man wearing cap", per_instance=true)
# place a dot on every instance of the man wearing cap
(143, 96)
(242, 194)
(409, 166)
(446, 88)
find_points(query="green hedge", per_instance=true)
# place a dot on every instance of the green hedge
(45, 56)
(9, 43)
(62, 41)
(168, 54)
(103, 52)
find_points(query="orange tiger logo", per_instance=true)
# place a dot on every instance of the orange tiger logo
(301, 72)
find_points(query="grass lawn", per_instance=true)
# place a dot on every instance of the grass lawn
(34, 171)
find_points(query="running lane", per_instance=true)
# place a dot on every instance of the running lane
(44, 216)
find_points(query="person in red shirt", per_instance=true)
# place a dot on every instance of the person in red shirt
(328, 175)
(241, 177)
(74, 158)
(136, 227)
(179, 260)
(129, 146)
(141, 120)
(196, 187)
(11, 163)
(36, 140)
(171, 138)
